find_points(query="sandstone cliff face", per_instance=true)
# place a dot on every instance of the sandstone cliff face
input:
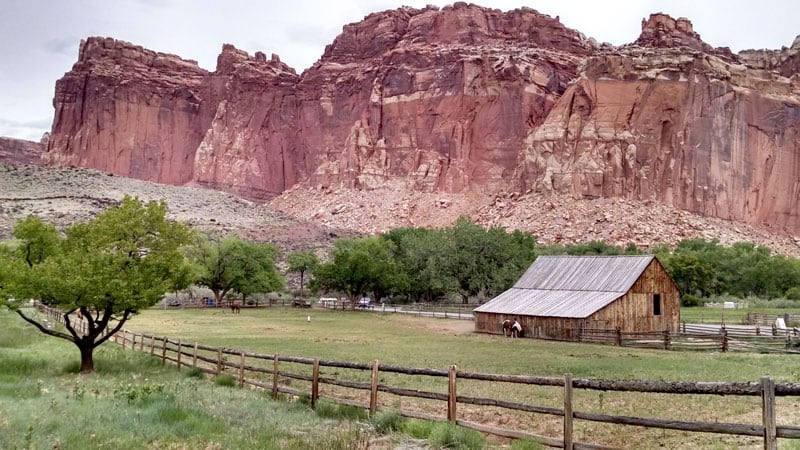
(442, 99)
(250, 142)
(127, 110)
(20, 151)
(685, 128)
(462, 99)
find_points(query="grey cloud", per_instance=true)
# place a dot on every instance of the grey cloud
(63, 46)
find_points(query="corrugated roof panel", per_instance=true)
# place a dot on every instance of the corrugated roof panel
(584, 273)
(537, 302)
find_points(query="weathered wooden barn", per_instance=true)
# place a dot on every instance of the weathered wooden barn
(559, 295)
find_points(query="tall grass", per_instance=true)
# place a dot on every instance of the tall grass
(132, 402)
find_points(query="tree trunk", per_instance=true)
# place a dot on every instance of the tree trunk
(301, 284)
(87, 358)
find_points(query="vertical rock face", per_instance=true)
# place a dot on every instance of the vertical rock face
(249, 144)
(128, 110)
(19, 151)
(440, 99)
(457, 99)
(681, 127)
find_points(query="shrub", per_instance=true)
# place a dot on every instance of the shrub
(793, 293)
(387, 421)
(447, 435)
(329, 409)
(195, 372)
(419, 429)
(225, 380)
(526, 444)
(690, 300)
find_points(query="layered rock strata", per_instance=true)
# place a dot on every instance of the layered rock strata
(458, 99)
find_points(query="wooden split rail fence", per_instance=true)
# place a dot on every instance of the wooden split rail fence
(700, 338)
(278, 373)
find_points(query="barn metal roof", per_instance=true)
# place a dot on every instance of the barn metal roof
(569, 286)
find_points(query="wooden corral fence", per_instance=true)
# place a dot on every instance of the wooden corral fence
(769, 320)
(701, 337)
(298, 376)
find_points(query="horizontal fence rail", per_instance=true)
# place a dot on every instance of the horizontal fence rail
(700, 338)
(280, 375)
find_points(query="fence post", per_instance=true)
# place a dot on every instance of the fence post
(568, 411)
(164, 350)
(619, 337)
(724, 339)
(152, 345)
(768, 405)
(315, 384)
(219, 360)
(194, 355)
(373, 394)
(275, 376)
(241, 369)
(667, 343)
(451, 394)
(180, 350)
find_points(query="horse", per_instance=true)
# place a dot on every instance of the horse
(235, 308)
(512, 328)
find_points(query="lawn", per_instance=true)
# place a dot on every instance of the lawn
(414, 341)
(132, 402)
(38, 379)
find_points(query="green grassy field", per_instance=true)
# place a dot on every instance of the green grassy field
(132, 402)
(700, 314)
(413, 341)
(360, 337)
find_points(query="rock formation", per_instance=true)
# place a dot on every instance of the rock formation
(459, 99)
(20, 151)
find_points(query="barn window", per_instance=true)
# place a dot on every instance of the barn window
(656, 304)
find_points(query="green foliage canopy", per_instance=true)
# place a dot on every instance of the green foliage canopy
(107, 269)
(232, 264)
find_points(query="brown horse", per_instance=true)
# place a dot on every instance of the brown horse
(235, 308)
(512, 328)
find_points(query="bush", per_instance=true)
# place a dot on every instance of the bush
(447, 435)
(387, 421)
(329, 409)
(793, 293)
(526, 444)
(225, 380)
(195, 372)
(419, 429)
(690, 300)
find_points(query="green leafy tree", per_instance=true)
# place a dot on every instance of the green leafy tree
(231, 264)
(107, 269)
(361, 266)
(423, 254)
(302, 262)
(487, 261)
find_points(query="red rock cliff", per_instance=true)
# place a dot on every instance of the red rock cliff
(457, 99)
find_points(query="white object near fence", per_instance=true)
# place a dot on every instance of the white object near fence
(729, 305)
(780, 323)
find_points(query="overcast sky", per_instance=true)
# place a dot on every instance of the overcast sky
(39, 38)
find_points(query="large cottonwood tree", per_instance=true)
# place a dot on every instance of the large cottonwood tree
(106, 269)
(234, 265)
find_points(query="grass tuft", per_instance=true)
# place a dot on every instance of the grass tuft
(225, 380)
(387, 421)
(447, 435)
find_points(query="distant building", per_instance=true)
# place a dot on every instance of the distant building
(559, 295)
